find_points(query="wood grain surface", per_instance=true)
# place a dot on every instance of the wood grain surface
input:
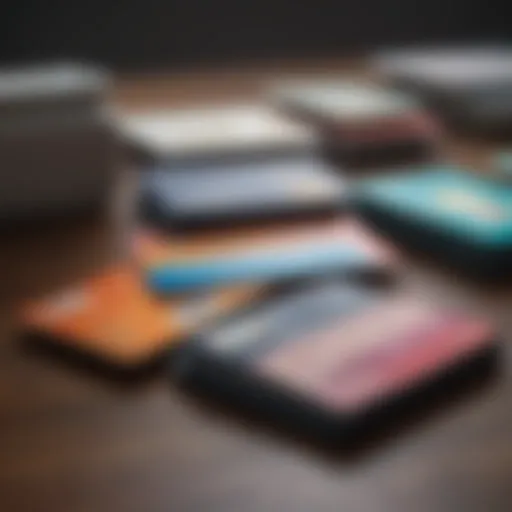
(71, 441)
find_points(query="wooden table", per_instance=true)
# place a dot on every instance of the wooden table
(72, 442)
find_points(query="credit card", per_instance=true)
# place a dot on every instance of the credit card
(213, 131)
(454, 214)
(264, 255)
(349, 103)
(360, 121)
(469, 86)
(331, 353)
(113, 318)
(455, 200)
(212, 194)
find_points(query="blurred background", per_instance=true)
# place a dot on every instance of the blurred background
(135, 35)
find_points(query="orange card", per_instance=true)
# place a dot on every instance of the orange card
(112, 317)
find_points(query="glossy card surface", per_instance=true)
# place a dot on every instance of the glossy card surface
(263, 255)
(231, 193)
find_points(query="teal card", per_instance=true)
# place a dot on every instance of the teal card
(446, 199)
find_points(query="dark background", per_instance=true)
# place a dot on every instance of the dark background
(141, 34)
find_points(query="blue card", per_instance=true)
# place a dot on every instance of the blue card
(263, 255)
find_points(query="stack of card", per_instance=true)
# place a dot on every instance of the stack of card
(249, 273)
(471, 87)
(131, 314)
(361, 120)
